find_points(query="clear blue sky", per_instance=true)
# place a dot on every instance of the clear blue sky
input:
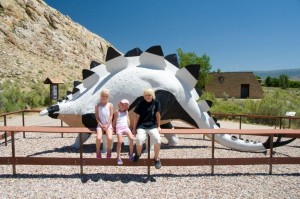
(236, 34)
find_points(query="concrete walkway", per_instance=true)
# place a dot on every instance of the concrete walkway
(32, 119)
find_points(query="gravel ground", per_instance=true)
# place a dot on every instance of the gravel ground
(131, 182)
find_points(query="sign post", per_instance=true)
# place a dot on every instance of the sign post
(290, 114)
(54, 88)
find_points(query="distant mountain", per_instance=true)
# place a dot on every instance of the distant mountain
(294, 74)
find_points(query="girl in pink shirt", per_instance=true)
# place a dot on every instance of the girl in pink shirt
(121, 123)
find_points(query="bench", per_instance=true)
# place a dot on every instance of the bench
(212, 161)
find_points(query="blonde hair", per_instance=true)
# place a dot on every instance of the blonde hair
(149, 91)
(105, 92)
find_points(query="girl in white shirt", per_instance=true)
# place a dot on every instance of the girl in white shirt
(104, 114)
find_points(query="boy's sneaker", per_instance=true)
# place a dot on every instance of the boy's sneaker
(131, 158)
(98, 155)
(136, 158)
(120, 161)
(108, 154)
(157, 164)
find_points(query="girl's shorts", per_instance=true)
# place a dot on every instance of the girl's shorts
(122, 130)
(110, 127)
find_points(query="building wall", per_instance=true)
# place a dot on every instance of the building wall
(230, 82)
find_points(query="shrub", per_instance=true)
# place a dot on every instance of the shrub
(208, 96)
(225, 96)
(276, 102)
(13, 97)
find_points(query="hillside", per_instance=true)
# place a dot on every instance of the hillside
(37, 41)
(294, 74)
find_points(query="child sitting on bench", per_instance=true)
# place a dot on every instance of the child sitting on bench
(121, 122)
(104, 114)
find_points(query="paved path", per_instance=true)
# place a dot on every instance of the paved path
(32, 119)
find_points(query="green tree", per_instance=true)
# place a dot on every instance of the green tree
(284, 81)
(187, 58)
(293, 84)
(268, 81)
(275, 82)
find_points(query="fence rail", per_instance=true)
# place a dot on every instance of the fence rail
(4, 115)
(14, 160)
(275, 118)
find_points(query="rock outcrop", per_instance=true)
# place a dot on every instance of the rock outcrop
(37, 41)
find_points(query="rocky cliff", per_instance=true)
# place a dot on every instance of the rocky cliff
(37, 41)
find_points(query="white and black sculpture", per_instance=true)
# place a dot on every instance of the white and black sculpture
(127, 76)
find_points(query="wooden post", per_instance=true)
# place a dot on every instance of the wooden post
(81, 150)
(5, 133)
(271, 154)
(61, 125)
(240, 125)
(280, 122)
(13, 153)
(23, 122)
(149, 150)
(212, 154)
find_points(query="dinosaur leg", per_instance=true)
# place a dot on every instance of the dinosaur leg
(172, 138)
(76, 144)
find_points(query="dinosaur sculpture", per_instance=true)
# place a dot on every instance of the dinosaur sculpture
(127, 76)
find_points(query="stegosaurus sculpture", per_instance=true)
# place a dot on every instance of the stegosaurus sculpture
(127, 76)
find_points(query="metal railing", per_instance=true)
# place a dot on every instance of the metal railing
(22, 112)
(240, 116)
(212, 161)
(14, 160)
